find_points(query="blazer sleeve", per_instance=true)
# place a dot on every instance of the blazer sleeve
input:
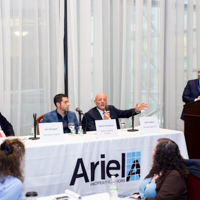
(45, 119)
(186, 97)
(125, 113)
(172, 187)
(6, 126)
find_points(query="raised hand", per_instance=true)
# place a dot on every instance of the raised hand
(140, 107)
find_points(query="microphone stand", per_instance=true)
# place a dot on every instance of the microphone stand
(84, 131)
(132, 130)
(81, 113)
(34, 119)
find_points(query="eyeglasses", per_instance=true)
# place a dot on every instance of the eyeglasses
(198, 72)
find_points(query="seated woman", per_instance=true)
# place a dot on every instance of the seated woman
(6, 126)
(166, 179)
(11, 159)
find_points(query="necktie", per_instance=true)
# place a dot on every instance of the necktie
(103, 114)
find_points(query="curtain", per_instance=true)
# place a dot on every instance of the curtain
(134, 51)
(180, 57)
(32, 63)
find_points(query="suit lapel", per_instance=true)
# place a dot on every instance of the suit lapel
(197, 86)
(97, 114)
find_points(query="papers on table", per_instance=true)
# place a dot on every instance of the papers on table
(73, 194)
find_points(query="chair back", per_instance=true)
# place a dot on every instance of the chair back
(193, 178)
(39, 120)
(193, 186)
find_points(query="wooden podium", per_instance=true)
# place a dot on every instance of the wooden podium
(192, 128)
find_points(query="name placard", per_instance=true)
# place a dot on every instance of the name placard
(51, 132)
(106, 128)
(149, 125)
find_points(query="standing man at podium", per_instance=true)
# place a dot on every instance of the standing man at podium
(192, 91)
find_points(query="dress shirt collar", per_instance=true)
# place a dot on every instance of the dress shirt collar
(59, 115)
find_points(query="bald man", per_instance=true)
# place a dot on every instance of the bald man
(192, 91)
(99, 112)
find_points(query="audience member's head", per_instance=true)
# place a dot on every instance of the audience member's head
(166, 157)
(101, 101)
(11, 156)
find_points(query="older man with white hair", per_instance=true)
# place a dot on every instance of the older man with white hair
(100, 113)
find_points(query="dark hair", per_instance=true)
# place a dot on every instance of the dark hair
(167, 157)
(11, 154)
(58, 98)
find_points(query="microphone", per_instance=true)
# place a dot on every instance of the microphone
(79, 111)
(107, 107)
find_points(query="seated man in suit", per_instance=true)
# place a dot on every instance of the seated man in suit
(6, 126)
(99, 112)
(192, 91)
(62, 113)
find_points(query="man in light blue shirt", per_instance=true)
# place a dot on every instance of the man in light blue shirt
(62, 113)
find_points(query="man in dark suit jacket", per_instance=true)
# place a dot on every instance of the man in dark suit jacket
(192, 91)
(99, 112)
(6, 126)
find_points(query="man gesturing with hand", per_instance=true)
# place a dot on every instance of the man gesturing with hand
(104, 112)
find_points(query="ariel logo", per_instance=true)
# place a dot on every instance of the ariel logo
(133, 160)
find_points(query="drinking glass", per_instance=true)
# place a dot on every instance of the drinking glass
(71, 126)
(123, 124)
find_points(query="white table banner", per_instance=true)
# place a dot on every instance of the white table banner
(85, 164)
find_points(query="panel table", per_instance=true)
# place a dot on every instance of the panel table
(83, 164)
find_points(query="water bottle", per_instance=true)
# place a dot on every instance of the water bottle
(32, 132)
(80, 131)
(143, 197)
(113, 189)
